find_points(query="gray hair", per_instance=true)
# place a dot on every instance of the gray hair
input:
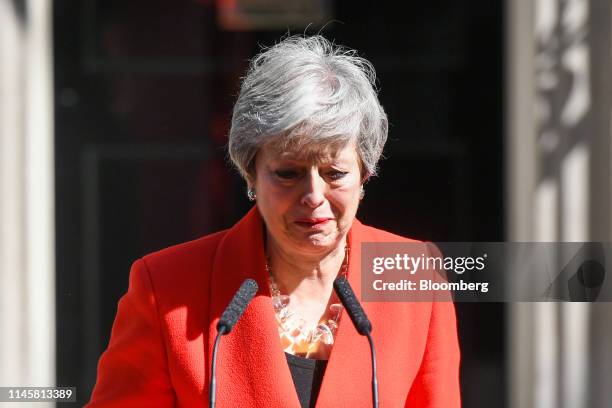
(309, 93)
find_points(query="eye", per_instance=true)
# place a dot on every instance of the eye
(336, 174)
(286, 174)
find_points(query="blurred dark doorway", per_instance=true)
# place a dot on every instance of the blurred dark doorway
(144, 92)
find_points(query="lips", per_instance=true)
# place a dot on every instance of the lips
(313, 222)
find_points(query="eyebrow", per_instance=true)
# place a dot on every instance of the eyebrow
(307, 163)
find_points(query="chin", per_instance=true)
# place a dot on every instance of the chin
(317, 242)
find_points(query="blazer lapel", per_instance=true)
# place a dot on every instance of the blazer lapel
(251, 366)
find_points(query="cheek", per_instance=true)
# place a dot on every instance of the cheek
(274, 199)
(346, 199)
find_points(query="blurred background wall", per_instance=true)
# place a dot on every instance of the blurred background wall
(557, 183)
(114, 117)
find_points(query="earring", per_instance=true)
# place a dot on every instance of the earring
(361, 192)
(251, 194)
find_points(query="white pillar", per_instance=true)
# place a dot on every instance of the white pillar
(12, 198)
(27, 260)
(40, 192)
(520, 181)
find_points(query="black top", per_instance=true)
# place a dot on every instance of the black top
(307, 376)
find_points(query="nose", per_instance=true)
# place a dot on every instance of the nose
(314, 190)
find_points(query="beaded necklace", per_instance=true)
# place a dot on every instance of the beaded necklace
(296, 338)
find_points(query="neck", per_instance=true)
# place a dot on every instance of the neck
(296, 271)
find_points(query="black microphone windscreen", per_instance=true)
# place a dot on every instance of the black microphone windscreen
(350, 302)
(237, 306)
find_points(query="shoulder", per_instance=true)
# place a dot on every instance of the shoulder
(371, 234)
(363, 234)
(182, 264)
(185, 252)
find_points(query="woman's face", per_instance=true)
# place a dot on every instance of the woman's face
(308, 204)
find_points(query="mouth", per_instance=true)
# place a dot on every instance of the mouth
(312, 222)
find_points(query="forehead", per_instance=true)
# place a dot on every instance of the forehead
(315, 153)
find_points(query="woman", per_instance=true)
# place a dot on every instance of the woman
(307, 132)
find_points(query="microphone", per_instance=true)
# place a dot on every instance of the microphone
(236, 307)
(350, 302)
(361, 323)
(228, 319)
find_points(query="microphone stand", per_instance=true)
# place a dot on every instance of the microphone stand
(212, 395)
(374, 376)
(361, 323)
(228, 319)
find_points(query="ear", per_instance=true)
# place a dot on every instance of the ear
(250, 180)
(250, 173)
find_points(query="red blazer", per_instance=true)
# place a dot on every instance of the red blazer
(161, 341)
